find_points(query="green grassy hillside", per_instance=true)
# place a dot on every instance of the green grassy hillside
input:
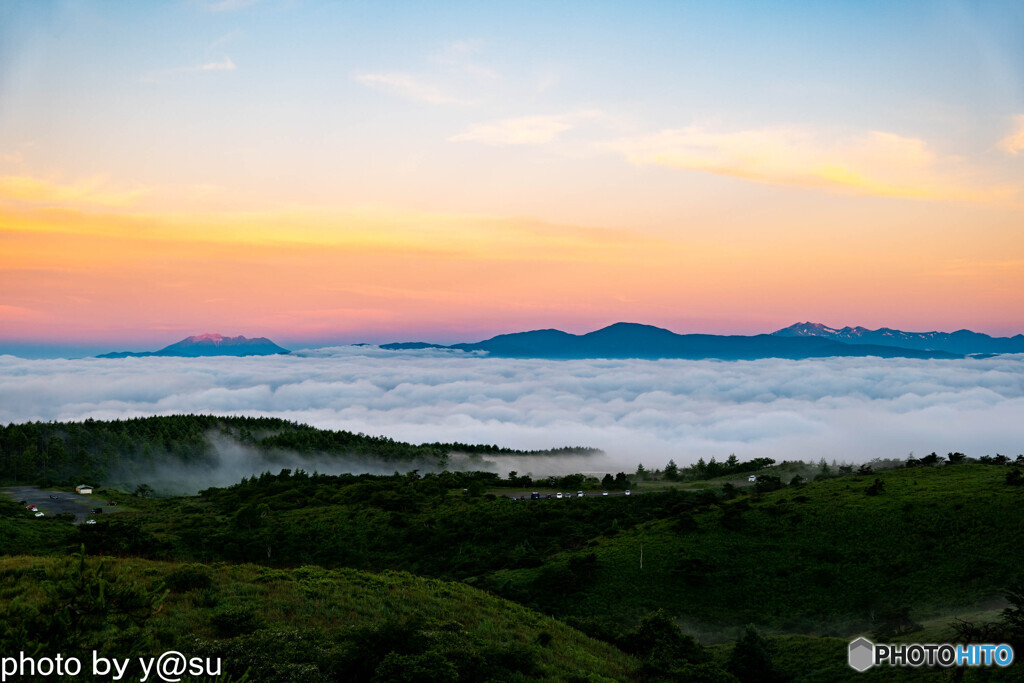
(825, 557)
(20, 532)
(306, 624)
(811, 564)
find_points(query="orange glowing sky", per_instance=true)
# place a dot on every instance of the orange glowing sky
(333, 172)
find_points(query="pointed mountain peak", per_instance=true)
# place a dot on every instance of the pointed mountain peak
(806, 329)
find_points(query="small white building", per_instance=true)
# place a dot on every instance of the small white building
(84, 489)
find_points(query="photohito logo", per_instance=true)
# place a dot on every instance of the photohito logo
(863, 654)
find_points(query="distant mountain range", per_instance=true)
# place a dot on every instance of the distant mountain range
(961, 341)
(209, 345)
(631, 340)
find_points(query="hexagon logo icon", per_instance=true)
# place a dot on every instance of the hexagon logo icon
(862, 654)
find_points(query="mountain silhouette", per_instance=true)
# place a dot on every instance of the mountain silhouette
(209, 345)
(961, 341)
(632, 340)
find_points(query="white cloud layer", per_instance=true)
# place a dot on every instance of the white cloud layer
(851, 409)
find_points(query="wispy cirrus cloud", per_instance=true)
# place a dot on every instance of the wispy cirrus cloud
(92, 191)
(874, 163)
(524, 130)
(1014, 142)
(225, 5)
(455, 65)
(460, 56)
(30, 207)
(406, 86)
(225, 64)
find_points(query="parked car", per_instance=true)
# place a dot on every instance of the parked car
(110, 502)
(604, 493)
(30, 507)
(627, 492)
(558, 496)
(579, 494)
(40, 514)
(534, 496)
(90, 521)
(96, 511)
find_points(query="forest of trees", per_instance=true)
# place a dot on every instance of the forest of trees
(65, 452)
(704, 470)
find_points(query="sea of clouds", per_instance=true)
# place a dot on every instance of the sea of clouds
(848, 409)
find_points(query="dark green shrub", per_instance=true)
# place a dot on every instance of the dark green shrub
(751, 658)
(189, 578)
(235, 621)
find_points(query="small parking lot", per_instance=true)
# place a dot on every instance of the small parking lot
(72, 503)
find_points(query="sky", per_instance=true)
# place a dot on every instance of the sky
(337, 172)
